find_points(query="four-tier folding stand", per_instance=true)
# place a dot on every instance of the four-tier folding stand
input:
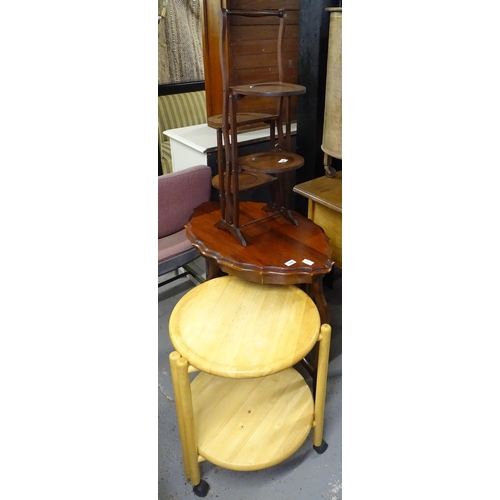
(274, 166)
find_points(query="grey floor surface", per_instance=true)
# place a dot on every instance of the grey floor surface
(305, 475)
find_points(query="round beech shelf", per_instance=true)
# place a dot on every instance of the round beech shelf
(254, 423)
(220, 333)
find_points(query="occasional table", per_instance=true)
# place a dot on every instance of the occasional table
(248, 408)
(277, 252)
(324, 196)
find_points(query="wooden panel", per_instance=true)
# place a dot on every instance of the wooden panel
(263, 46)
(266, 32)
(263, 4)
(292, 17)
(253, 57)
(211, 27)
(252, 52)
(259, 75)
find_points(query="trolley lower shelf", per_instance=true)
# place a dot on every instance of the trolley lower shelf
(251, 424)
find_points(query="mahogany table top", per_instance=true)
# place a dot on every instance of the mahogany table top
(277, 252)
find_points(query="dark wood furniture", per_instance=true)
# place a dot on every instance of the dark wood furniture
(252, 46)
(274, 165)
(277, 252)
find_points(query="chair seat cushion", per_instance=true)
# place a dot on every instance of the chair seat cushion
(173, 244)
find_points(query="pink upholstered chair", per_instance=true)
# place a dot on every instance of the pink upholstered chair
(179, 193)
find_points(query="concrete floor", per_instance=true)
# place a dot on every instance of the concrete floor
(305, 475)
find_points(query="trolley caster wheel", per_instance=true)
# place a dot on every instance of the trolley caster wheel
(330, 172)
(321, 448)
(201, 489)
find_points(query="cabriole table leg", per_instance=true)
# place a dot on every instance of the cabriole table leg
(318, 296)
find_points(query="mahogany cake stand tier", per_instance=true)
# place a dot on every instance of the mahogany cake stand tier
(271, 162)
(269, 89)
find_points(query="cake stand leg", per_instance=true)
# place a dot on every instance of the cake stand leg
(232, 229)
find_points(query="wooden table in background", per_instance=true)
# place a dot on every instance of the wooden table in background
(325, 209)
(271, 244)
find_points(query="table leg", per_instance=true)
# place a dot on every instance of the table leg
(315, 290)
(213, 270)
(318, 296)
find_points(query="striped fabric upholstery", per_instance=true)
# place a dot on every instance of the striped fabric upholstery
(166, 157)
(174, 111)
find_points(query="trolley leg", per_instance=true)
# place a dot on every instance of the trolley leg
(319, 407)
(185, 418)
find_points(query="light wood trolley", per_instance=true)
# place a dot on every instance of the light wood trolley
(248, 408)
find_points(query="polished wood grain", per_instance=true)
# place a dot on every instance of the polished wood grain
(324, 196)
(251, 424)
(239, 329)
(271, 243)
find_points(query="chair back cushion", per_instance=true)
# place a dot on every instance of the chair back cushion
(178, 110)
(181, 110)
(179, 193)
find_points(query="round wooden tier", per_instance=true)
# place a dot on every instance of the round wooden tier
(271, 162)
(240, 329)
(251, 424)
(269, 89)
(243, 119)
(246, 180)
